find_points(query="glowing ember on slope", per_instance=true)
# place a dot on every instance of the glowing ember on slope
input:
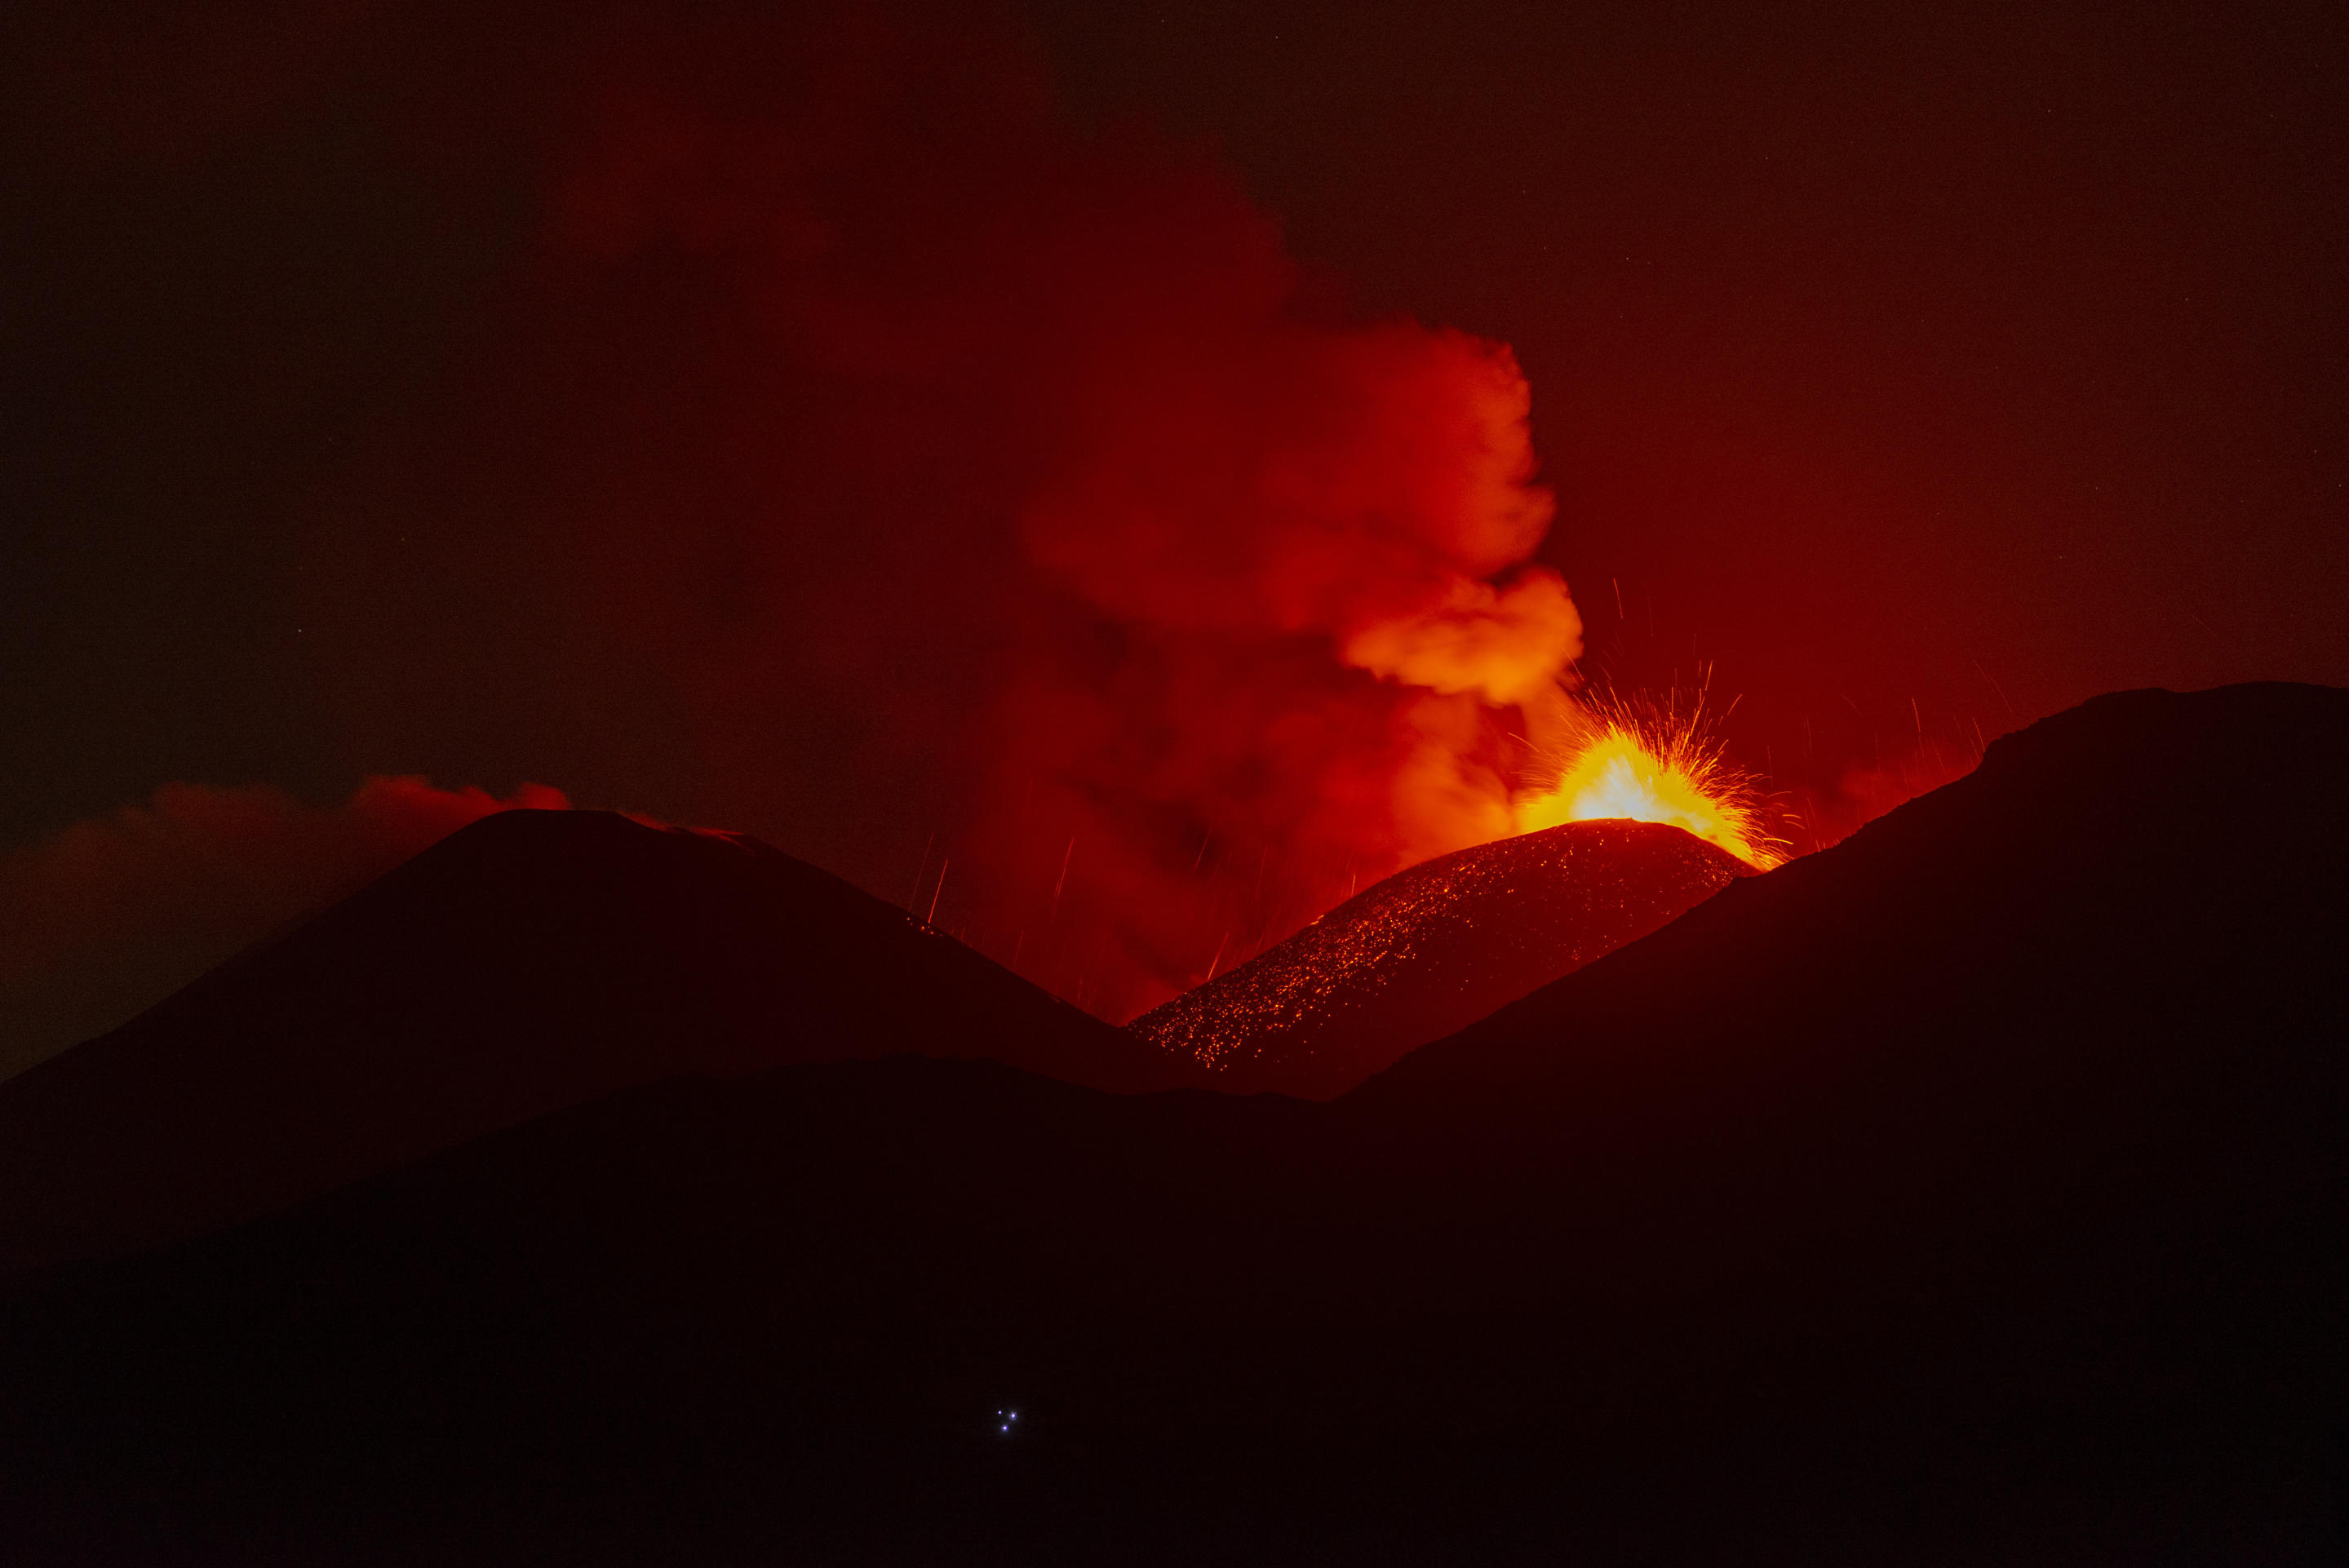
(1658, 767)
(1433, 949)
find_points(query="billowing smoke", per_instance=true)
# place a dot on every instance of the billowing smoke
(1280, 537)
(859, 457)
(828, 441)
(115, 914)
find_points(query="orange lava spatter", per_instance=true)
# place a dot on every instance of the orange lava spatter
(1656, 769)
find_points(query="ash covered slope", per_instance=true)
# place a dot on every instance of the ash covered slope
(1431, 950)
(1970, 1193)
(531, 961)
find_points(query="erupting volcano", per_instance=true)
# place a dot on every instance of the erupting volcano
(1251, 993)
(2002, 1138)
(1637, 816)
(1659, 767)
(1433, 949)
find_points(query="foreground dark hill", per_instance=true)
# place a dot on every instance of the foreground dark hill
(1431, 950)
(1968, 1193)
(531, 961)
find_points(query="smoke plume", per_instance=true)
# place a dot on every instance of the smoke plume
(799, 427)
(858, 456)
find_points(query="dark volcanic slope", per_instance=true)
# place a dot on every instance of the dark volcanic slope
(1433, 949)
(535, 960)
(1971, 1193)
(2105, 876)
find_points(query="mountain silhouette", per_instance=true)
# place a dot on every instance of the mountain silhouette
(530, 961)
(1431, 950)
(1968, 1193)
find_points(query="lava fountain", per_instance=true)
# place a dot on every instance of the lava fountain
(1649, 767)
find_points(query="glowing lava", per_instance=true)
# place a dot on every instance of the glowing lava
(1653, 770)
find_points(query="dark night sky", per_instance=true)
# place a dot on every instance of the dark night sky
(1914, 369)
(1867, 342)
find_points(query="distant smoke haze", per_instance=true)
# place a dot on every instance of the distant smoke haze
(115, 914)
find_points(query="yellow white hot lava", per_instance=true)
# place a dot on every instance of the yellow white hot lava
(1651, 771)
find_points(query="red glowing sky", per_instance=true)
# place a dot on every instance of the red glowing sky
(852, 427)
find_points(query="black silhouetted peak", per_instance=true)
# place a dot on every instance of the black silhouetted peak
(1971, 1193)
(2080, 869)
(1433, 949)
(531, 960)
